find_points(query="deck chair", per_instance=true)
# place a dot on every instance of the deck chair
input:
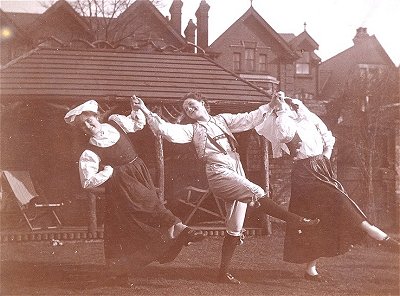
(195, 199)
(21, 186)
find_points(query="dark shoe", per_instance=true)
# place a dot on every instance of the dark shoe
(391, 244)
(227, 278)
(304, 222)
(193, 236)
(315, 278)
(186, 237)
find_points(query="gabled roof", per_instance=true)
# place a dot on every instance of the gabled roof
(252, 14)
(368, 51)
(147, 5)
(7, 21)
(72, 74)
(66, 8)
(303, 38)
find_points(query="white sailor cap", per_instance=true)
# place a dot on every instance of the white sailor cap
(89, 106)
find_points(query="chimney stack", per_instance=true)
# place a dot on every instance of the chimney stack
(190, 34)
(202, 24)
(176, 15)
(360, 35)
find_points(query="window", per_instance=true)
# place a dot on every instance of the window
(302, 95)
(236, 61)
(262, 62)
(369, 71)
(303, 64)
(249, 54)
(302, 69)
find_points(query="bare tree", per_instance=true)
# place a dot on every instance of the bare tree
(366, 126)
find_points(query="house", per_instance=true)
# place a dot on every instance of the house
(251, 48)
(361, 84)
(140, 25)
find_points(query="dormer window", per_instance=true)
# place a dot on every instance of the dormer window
(303, 64)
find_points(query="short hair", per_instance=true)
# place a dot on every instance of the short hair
(193, 95)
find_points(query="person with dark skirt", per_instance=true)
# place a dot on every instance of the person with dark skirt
(216, 145)
(138, 228)
(315, 192)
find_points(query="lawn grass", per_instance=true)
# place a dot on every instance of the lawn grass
(77, 268)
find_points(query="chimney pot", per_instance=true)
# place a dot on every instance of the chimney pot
(176, 15)
(202, 24)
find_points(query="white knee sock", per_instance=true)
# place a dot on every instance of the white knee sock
(373, 231)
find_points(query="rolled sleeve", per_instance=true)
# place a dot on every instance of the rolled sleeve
(131, 123)
(90, 176)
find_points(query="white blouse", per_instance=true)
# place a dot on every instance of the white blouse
(89, 162)
(315, 137)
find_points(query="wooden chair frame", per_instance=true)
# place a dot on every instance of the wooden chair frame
(196, 203)
(22, 188)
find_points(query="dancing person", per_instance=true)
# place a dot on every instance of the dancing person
(315, 192)
(138, 228)
(216, 146)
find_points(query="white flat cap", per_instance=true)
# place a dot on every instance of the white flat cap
(89, 106)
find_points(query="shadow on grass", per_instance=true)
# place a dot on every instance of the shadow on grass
(80, 277)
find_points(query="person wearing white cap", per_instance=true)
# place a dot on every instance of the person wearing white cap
(138, 228)
(215, 145)
(315, 192)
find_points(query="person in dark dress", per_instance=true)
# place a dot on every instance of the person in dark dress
(315, 192)
(138, 228)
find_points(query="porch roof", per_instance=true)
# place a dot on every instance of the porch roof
(79, 74)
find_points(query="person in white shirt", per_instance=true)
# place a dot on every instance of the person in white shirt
(292, 128)
(216, 147)
(138, 228)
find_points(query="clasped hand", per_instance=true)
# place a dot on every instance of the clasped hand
(136, 103)
(277, 102)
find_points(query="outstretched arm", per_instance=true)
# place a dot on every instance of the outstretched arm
(131, 123)
(244, 121)
(176, 133)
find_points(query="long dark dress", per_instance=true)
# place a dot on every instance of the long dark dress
(134, 215)
(315, 193)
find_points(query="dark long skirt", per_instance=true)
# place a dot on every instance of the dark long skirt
(134, 218)
(315, 193)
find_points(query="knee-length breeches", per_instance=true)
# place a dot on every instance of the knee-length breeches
(227, 180)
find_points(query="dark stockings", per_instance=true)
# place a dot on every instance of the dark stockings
(228, 249)
(273, 209)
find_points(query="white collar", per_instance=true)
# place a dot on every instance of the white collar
(107, 137)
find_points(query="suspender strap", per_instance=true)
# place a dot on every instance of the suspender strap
(216, 144)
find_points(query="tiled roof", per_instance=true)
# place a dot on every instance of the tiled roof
(49, 73)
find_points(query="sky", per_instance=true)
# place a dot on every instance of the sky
(331, 23)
